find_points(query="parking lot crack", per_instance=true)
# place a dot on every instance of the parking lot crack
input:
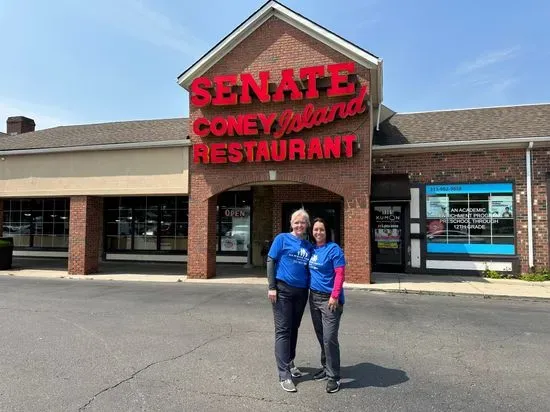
(133, 375)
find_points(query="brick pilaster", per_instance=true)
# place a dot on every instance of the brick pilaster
(1, 217)
(357, 240)
(84, 234)
(201, 249)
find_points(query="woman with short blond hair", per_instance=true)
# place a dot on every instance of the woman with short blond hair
(288, 280)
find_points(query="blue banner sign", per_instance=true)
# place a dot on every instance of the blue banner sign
(470, 218)
(469, 188)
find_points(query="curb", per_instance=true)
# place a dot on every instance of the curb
(460, 294)
(183, 279)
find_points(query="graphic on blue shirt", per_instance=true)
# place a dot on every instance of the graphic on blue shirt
(321, 268)
(291, 255)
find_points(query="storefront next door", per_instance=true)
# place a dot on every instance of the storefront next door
(387, 234)
(330, 212)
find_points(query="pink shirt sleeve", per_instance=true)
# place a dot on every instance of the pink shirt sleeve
(338, 281)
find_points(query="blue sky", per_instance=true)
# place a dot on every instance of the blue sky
(77, 61)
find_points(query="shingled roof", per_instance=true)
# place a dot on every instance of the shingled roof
(465, 125)
(98, 134)
(400, 129)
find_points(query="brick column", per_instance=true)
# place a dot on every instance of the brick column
(84, 235)
(201, 250)
(1, 217)
(357, 240)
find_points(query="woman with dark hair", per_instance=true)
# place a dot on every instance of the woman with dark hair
(326, 301)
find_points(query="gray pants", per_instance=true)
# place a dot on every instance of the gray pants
(287, 312)
(326, 325)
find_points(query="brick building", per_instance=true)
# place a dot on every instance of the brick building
(283, 114)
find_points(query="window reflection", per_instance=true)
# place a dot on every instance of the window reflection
(147, 223)
(37, 223)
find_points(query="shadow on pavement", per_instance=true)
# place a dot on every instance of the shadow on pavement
(223, 270)
(23, 263)
(364, 375)
(367, 374)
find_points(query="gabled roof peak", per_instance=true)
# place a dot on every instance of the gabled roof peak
(269, 9)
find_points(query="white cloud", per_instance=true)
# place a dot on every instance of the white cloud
(487, 76)
(502, 85)
(44, 116)
(136, 19)
(487, 59)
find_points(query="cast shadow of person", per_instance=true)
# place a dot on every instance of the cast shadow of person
(364, 375)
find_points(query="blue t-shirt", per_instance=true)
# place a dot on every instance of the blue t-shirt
(291, 255)
(321, 267)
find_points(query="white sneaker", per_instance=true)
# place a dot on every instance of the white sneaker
(288, 385)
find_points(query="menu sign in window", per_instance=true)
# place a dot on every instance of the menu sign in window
(470, 218)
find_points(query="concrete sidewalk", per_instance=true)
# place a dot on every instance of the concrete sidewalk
(383, 282)
(457, 285)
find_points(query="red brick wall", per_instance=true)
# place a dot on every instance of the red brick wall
(276, 46)
(541, 162)
(201, 261)
(84, 234)
(484, 166)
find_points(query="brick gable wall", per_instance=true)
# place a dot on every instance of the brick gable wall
(275, 46)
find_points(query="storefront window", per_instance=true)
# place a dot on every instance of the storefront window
(470, 218)
(37, 223)
(234, 221)
(147, 223)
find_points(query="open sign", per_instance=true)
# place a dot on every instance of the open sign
(236, 212)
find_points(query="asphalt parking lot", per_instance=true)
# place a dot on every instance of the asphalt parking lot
(70, 345)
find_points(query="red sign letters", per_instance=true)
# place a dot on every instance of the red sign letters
(275, 124)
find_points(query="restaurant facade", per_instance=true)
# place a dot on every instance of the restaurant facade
(285, 114)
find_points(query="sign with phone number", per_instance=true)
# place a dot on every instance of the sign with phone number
(470, 188)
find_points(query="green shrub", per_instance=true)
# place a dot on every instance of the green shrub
(538, 274)
(535, 277)
(4, 243)
(492, 274)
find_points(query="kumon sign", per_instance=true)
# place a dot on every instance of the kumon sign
(221, 91)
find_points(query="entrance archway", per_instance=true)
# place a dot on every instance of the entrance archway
(272, 201)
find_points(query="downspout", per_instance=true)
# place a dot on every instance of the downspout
(529, 204)
(380, 92)
(378, 117)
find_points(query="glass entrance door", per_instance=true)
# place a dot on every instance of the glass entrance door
(387, 237)
(328, 211)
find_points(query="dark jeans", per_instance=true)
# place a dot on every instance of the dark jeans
(326, 325)
(287, 312)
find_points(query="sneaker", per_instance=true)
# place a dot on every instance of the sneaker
(294, 371)
(288, 385)
(320, 375)
(333, 386)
